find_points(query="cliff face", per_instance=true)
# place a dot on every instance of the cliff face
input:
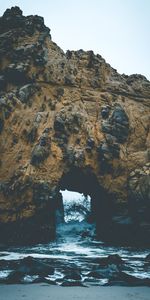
(69, 120)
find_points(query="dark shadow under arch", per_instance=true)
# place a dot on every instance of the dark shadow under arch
(84, 181)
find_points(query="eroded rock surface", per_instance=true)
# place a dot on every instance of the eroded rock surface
(69, 120)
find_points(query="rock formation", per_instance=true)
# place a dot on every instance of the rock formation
(69, 120)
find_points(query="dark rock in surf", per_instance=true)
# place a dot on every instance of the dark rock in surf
(74, 275)
(72, 283)
(32, 266)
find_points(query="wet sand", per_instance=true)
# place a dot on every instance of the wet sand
(46, 292)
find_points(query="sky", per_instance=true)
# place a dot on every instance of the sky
(119, 30)
(71, 196)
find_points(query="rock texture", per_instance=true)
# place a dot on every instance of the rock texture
(69, 120)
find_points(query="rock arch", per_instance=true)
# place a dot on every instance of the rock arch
(83, 180)
(62, 113)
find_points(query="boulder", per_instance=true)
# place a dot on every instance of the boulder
(15, 277)
(32, 266)
(72, 283)
(130, 280)
(95, 274)
(74, 275)
(147, 259)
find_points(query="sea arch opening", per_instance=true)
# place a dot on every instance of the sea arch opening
(84, 182)
(77, 206)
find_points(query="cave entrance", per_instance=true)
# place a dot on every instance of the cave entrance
(84, 182)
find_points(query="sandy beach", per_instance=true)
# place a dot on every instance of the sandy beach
(45, 292)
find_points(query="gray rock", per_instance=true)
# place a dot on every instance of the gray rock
(117, 125)
(26, 92)
(39, 154)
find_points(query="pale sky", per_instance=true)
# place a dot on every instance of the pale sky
(119, 30)
(68, 195)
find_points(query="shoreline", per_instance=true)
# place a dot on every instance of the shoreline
(45, 292)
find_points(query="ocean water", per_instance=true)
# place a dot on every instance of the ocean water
(76, 248)
(72, 251)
